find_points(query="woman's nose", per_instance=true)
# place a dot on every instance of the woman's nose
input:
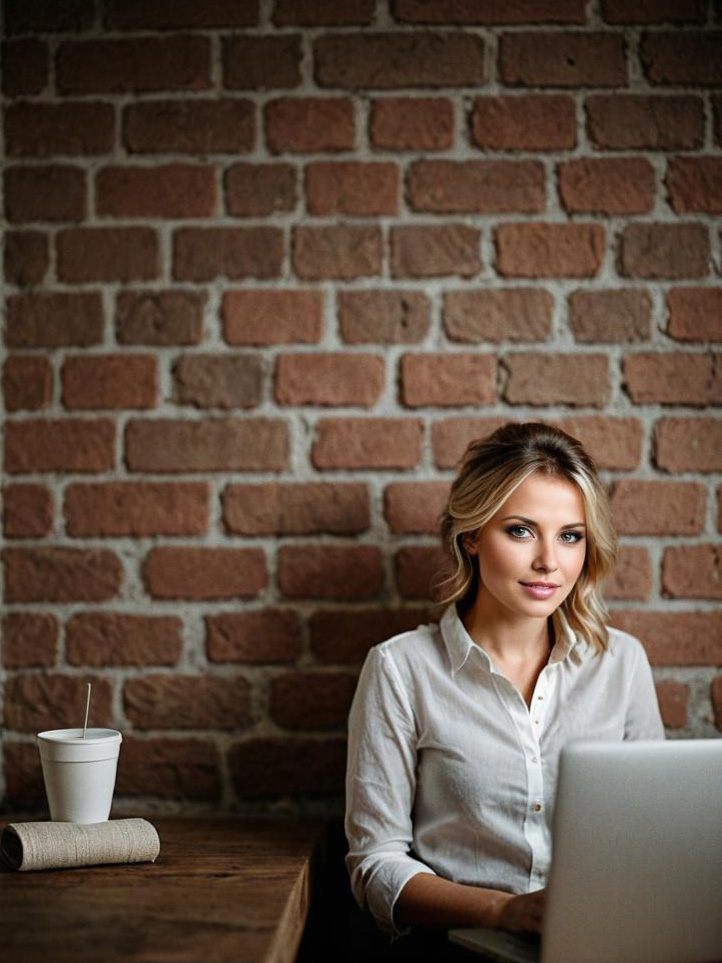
(546, 557)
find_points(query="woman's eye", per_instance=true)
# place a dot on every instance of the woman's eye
(575, 536)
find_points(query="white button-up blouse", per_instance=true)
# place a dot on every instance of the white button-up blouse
(449, 772)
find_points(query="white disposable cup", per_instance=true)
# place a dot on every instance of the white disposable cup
(79, 773)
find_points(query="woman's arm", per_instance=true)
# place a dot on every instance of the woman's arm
(434, 901)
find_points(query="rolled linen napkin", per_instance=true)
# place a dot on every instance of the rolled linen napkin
(50, 845)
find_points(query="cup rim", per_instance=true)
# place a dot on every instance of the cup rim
(74, 737)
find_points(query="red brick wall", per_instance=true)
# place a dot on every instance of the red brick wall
(270, 266)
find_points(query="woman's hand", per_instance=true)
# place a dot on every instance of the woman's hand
(523, 913)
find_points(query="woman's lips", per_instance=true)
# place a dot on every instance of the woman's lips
(540, 591)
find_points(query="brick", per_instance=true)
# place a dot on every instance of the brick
(218, 381)
(34, 703)
(293, 508)
(399, 59)
(24, 67)
(304, 125)
(692, 572)
(558, 378)
(27, 383)
(447, 379)
(383, 317)
(716, 699)
(689, 57)
(632, 575)
(202, 254)
(169, 190)
(159, 318)
(330, 379)
(653, 11)
(613, 443)
(29, 639)
(536, 123)
(342, 251)
(108, 254)
(270, 63)
(415, 507)
(204, 573)
(658, 508)
(48, 130)
(48, 17)
(412, 123)
(694, 314)
(268, 635)
(188, 702)
(136, 509)
(185, 768)
(490, 12)
(687, 444)
(273, 766)
(61, 575)
(113, 638)
(341, 637)
(54, 319)
(473, 186)
(673, 379)
(717, 118)
(330, 571)
(51, 193)
(356, 188)
(607, 186)
(180, 14)
(309, 13)
(257, 190)
(272, 317)
(450, 437)
(441, 250)
(673, 698)
(23, 773)
(695, 184)
(110, 381)
(311, 700)
(27, 511)
(393, 443)
(515, 314)
(415, 569)
(550, 59)
(549, 250)
(180, 62)
(636, 121)
(26, 258)
(217, 444)
(59, 445)
(198, 126)
(621, 316)
(664, 251)
(674, 638)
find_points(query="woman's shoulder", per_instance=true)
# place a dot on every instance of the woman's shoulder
(412, 645)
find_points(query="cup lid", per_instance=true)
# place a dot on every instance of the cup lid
(73, 736)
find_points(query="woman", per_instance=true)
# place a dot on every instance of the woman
(455, 728)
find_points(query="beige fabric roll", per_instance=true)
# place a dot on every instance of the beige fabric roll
(49, 845)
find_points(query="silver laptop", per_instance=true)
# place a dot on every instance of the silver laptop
(636, 873)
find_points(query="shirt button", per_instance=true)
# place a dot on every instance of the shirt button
(537, 808)
(534, 759)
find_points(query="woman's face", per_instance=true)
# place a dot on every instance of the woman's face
(538, 535)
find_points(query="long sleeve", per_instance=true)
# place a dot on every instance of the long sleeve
(380, 789)
(643, 719)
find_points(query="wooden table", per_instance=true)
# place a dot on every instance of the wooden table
(222, 889)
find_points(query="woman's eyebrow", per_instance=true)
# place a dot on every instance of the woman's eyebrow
(530, 521)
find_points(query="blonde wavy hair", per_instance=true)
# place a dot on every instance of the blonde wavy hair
(490, 470)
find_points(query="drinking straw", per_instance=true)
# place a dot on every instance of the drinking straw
(87, 710)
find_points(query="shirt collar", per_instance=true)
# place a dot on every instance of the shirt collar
(460, 645)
